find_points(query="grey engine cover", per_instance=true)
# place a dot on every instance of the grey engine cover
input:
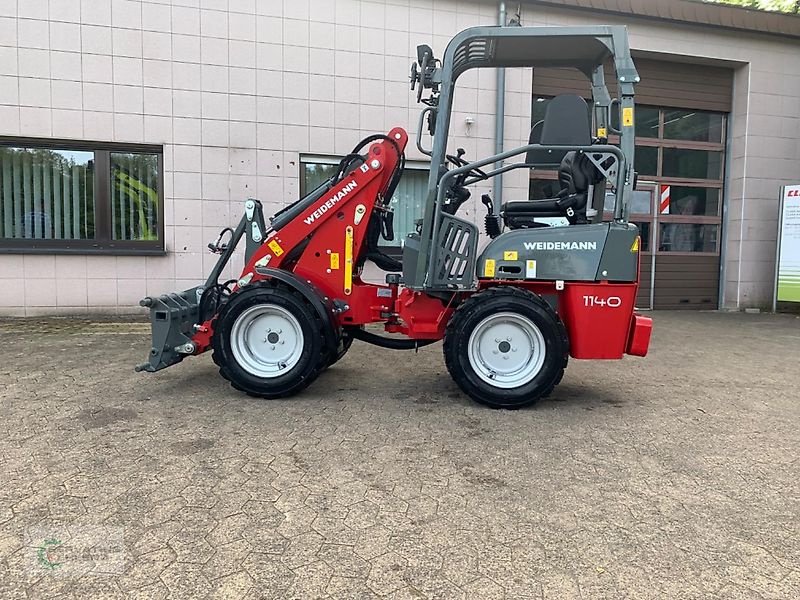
(597, 252)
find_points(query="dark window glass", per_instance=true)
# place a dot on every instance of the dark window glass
(684, 200)
(408, 203)
(687, 237)
(315, 173)
(644, 233)
(691, 164)
(640, 202)
(46, 194)
(408, 200)
(646, 160)
(693, 125)
(646, 121)
(538, 109)
(134, 196)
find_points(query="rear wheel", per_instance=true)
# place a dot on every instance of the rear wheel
(505, 347)
(268, 341)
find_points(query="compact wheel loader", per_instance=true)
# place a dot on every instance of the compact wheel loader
(510, 315)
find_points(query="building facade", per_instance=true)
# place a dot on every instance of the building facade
(132, 131)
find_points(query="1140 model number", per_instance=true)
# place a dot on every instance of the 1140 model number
(610, 302)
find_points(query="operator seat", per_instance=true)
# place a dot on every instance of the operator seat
(566, 123)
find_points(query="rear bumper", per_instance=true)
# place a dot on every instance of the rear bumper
(172, 320)
(598, 317)
(601, 321)
(639, 338)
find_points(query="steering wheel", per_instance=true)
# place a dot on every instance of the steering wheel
(460, 162)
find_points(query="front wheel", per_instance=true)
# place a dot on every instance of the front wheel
(505, 347)
(268, 341)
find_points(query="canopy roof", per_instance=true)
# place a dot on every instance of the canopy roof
(581, 47)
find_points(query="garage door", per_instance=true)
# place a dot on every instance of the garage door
(681, 119)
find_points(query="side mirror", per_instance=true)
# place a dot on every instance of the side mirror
(422, 50)
(414, 77)
(432, 114)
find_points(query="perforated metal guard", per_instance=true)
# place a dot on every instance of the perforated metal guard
(455, 255)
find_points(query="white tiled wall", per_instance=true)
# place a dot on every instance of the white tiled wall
(236, 90)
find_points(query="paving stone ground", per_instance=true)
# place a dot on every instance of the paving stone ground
(674, 476)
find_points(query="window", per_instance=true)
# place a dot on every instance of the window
(645, 160)
(134, 196)
(680, 157)
(690, 200)
(693, 125)
(688, 176)
(46, 194)
(83, 198)
(687, 237)
(408, 201)
(314, 173)
(645, 123)
(538, 108)
(691, 164)
(644, 234)
(641, 202)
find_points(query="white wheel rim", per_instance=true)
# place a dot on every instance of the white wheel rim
(267, 340)
(506, 350)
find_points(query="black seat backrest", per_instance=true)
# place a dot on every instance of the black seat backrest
(566, 122)
(536, 157)
(542, 159)
(571, 174)
(576, 173)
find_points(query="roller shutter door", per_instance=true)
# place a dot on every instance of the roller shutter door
(682, 280)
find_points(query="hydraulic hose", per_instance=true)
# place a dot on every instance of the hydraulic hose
(387, 342)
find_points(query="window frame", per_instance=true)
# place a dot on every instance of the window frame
(103, 242)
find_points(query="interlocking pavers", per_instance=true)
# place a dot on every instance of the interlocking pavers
(673, 476)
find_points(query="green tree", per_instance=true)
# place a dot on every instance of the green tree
(785, 6)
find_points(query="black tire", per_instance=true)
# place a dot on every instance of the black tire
(474, 311)
(312, 360)
(345, 341)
